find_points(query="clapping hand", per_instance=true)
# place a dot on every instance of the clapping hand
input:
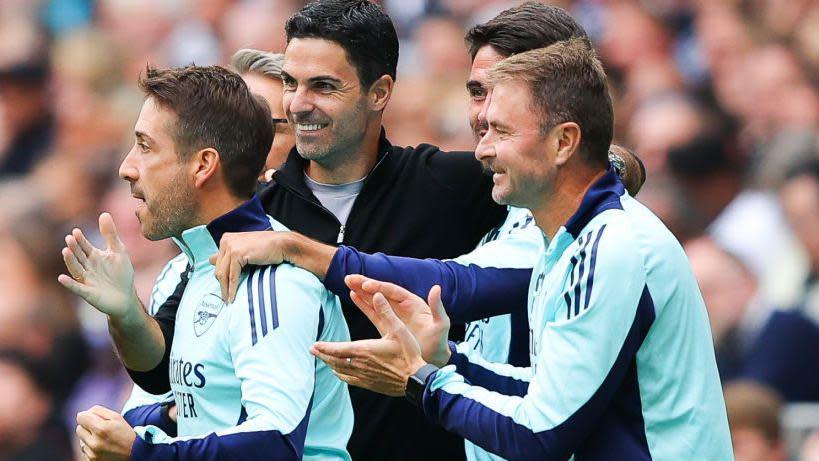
(427, 321)
(384, 365)
(102, 277)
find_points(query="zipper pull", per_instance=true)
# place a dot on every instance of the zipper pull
(340, 234)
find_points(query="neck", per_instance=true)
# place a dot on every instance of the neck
(352, 167)
(216, 204)
(564, 199)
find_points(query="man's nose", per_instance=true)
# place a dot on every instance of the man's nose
(485, 149)
(300, 103)
(127, 169)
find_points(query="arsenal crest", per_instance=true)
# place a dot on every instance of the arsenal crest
(206, 313)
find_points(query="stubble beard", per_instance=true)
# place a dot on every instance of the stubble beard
(347, 141)
(173, 210)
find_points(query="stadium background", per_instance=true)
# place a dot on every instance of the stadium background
(719, 98)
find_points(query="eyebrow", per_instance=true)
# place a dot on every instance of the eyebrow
(318, 78)
(140, 134)
(325, 78)
(499, 125)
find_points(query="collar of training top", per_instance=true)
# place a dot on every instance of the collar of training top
(603, 195)
(247, 217)
(202, 241)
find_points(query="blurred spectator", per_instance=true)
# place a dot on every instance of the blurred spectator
(781, 354)
(734, 308)
(27, 116)
(660, 123)
(753, 414)
(800, 199)
(36, 317)
(710, 167)
(779, 154)
(632, 36)
(257, 24)
(87, 76)
(438, 65)
(753, 340)
(28, 431)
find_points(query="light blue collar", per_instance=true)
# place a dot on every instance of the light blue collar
(200, 242)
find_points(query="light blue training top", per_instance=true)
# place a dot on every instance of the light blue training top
(622, 357)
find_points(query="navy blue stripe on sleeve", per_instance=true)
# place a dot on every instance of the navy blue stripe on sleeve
(260, 297)
(483, 377)
(567, 295)
(152, 415)
(592, 264)
(242, 446)
(266, 276)
(580, 272)
(470, 292)
(568, 300)
(251, 307)
(274, 309)
(611, 418)
(575, 303)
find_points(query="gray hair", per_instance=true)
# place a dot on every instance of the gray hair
(262, 62)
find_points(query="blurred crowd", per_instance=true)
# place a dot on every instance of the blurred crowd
(720, 98)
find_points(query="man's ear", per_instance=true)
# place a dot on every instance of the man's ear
(567, 136)
(204, 165)
(379, 93)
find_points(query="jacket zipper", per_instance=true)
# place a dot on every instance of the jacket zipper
(342, 227)
(340, 234)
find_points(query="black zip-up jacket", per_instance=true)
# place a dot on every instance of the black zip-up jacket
(416, 202)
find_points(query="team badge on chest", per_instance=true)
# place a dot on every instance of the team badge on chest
(206, 313)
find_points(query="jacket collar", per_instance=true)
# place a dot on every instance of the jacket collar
(200, 242)
(603, 195)
(247, 217)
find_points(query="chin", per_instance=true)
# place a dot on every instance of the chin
(147, 230)
(313, 152)
(153, 236)
(507, 197)
(500, 198)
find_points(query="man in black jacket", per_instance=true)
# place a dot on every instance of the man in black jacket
(345, 183)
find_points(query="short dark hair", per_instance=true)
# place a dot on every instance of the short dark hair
(361, 27)
(215, 109)
(568, 84)
(525, 27)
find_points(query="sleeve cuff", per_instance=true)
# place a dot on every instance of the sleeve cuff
(456, 358)
(334, 279)
(140, 450)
